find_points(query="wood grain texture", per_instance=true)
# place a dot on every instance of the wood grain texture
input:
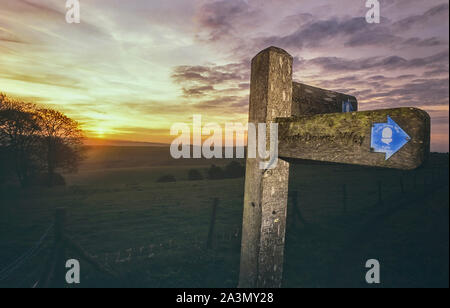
(308, 100)
(346, 138)
(265, 200)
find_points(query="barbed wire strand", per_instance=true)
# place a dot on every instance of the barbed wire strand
(8, 270)
(26, 280)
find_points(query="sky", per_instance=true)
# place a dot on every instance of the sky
(130, 69)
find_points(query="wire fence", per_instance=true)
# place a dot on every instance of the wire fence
(335, 201)
(9, 270)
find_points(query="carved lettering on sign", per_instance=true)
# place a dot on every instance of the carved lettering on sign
(348, 138)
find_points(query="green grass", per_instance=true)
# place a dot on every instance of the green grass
(116, 209)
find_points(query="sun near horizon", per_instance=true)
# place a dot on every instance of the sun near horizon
(128, 72)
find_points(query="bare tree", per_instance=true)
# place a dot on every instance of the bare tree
(38, 140)
(19, 135)
(61, 142)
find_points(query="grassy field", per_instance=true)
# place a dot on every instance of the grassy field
(154, 234)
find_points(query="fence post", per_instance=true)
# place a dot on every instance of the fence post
(209, 242)
(344, 198)
(380, 196)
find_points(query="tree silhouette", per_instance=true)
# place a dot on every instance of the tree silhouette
(37, 140)
(19, 135)
(61, 142)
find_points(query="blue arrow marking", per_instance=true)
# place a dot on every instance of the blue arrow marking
(347, 106)
(388, 138)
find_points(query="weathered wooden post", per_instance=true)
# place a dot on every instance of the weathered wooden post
(266, 191)
(313, 124)
(53, 272)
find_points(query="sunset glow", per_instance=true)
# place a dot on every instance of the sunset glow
(131, 69)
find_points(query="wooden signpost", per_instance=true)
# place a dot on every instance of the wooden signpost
(314, 124)
(370, 138)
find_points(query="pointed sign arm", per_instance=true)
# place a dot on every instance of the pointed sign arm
(391, 138)
(388, 138)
